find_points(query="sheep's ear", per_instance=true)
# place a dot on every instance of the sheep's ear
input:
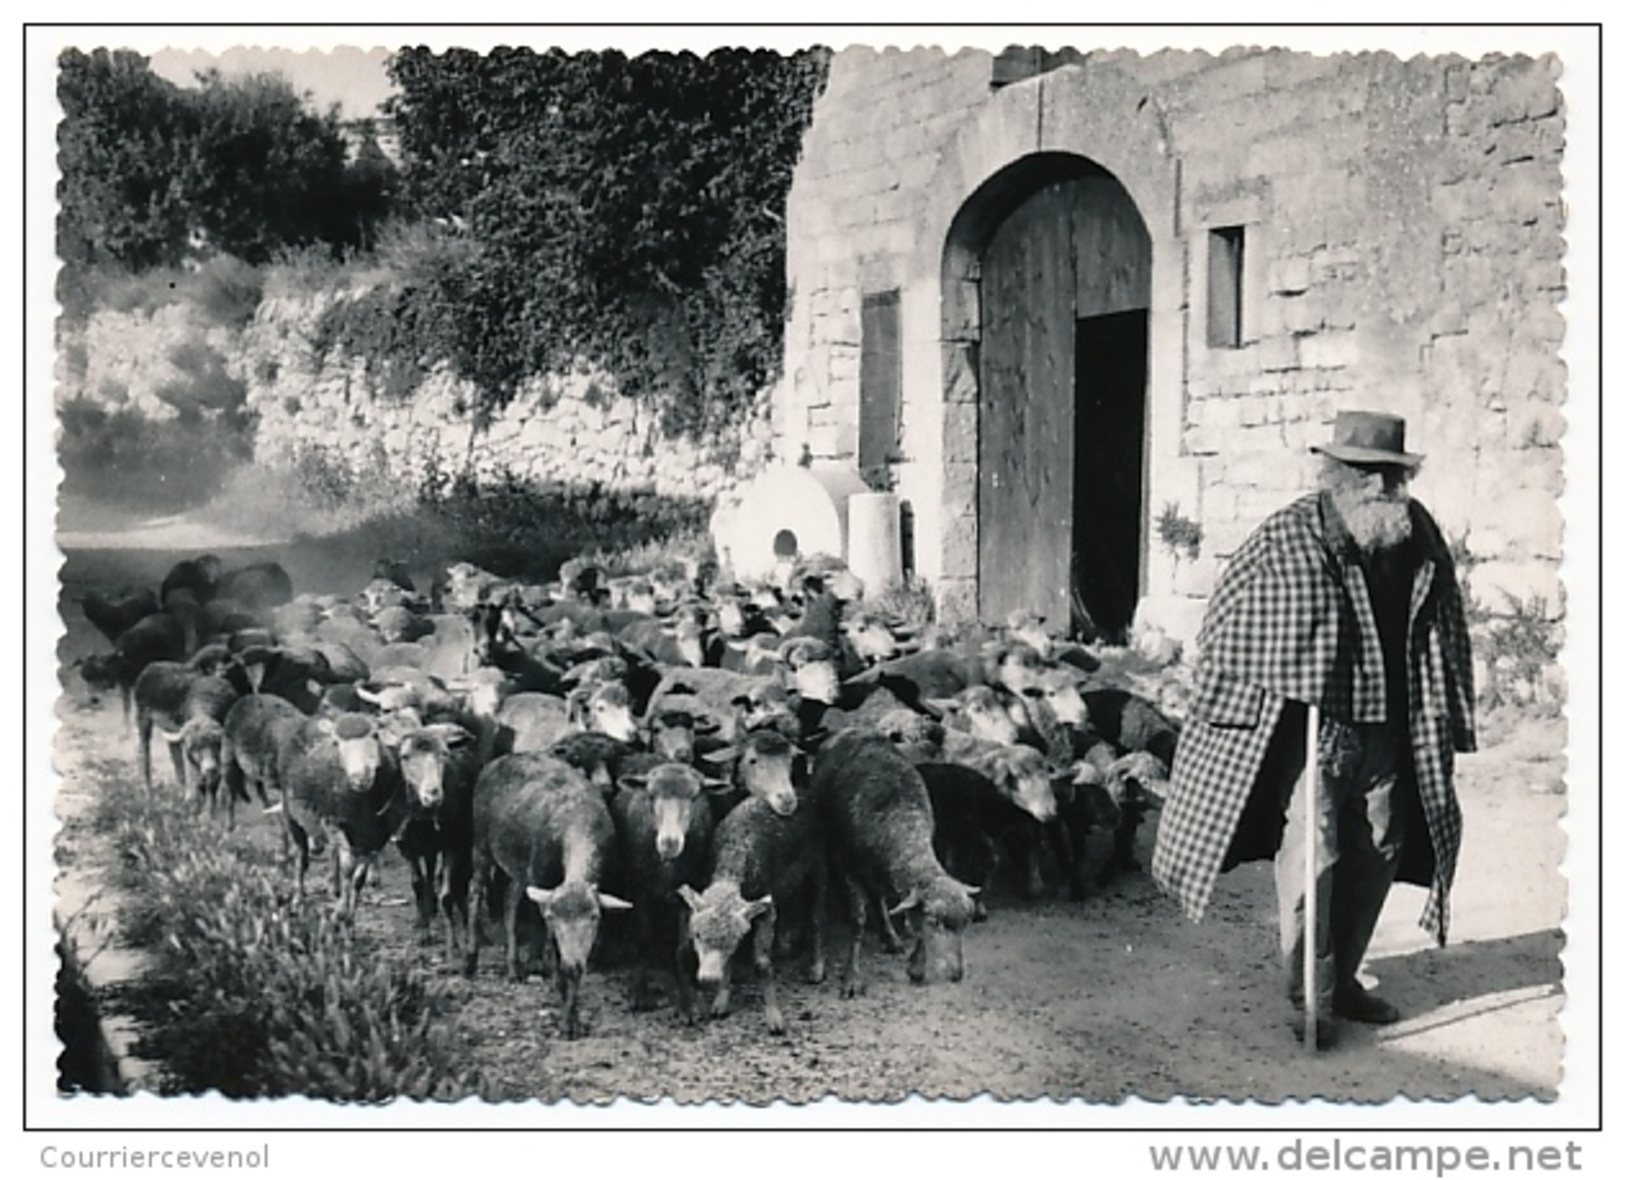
(325, 725)
(760, 906)
(608, 901)
(939, 707)
(908, 903)
(540, 896)
(721, 757)
(686, 892)
(705, 726)
(973, 890)
(635, 781)
(453, 735)
(716, 784)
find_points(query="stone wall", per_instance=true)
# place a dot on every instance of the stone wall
(1404, 250)
(571, 430)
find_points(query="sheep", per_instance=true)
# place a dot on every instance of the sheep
(681, 642)
(355, 635)
(198, 577)
(665, 836)
(550, 833)
(772, 857)
(1131, 723)
(1131, 780)
(531, 723)
(394, 570)
(466, 585)
(596, 755)
(1021, 773)
(339, 776)
(256, 727)
(932, 674)
(156, 637)
(260, 587)
(880, 822)
(762, 764)
(167, 696)
(439, 763)
(114, 615)
(710, 693)
(672, 732)
(398, 624)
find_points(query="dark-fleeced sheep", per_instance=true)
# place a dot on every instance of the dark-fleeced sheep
(439, 764)
(156, 637)
(881, 824)
(340, 776)
(665, 829)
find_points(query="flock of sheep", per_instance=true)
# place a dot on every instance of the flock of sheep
(708, 756)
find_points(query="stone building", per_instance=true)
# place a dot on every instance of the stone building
(1085, 312)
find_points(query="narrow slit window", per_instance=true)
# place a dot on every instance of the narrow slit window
(1226, 270)
(880, 385)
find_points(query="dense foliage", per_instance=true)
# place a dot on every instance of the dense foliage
(152, 173)
(256, 998)
(624, 212)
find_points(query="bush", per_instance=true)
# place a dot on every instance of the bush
(226, 290)
(1517, 653)
(118, 454)
(252, 997)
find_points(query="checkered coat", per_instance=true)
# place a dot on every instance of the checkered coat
(1291, 621)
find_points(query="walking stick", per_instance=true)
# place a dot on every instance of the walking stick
(1311, 883)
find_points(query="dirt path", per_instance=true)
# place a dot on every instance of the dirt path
(1114, 997)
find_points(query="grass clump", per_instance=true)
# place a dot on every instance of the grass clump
(256, 998)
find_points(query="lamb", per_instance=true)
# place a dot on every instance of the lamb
(880, 822)
(771, 857)
(665, 832)
(550, 833)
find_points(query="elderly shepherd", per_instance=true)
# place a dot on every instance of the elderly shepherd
(1346, 598)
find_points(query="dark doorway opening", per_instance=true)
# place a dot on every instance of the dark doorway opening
(1109, 451)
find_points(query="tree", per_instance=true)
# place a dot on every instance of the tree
(124, 149)
(627, 211)
(267, 172)
(242, 162)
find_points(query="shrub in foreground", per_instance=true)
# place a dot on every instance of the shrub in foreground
(254, 998)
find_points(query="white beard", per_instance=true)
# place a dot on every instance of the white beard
(1374, 523)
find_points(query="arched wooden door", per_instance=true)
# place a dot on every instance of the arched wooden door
(1065, 292)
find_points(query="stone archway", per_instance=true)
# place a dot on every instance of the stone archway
(1062, 284)
(1073, 124)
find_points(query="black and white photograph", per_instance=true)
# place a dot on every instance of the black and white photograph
(789, 576)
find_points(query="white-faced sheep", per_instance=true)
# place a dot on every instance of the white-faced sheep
(548, 830)
(766, 863)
